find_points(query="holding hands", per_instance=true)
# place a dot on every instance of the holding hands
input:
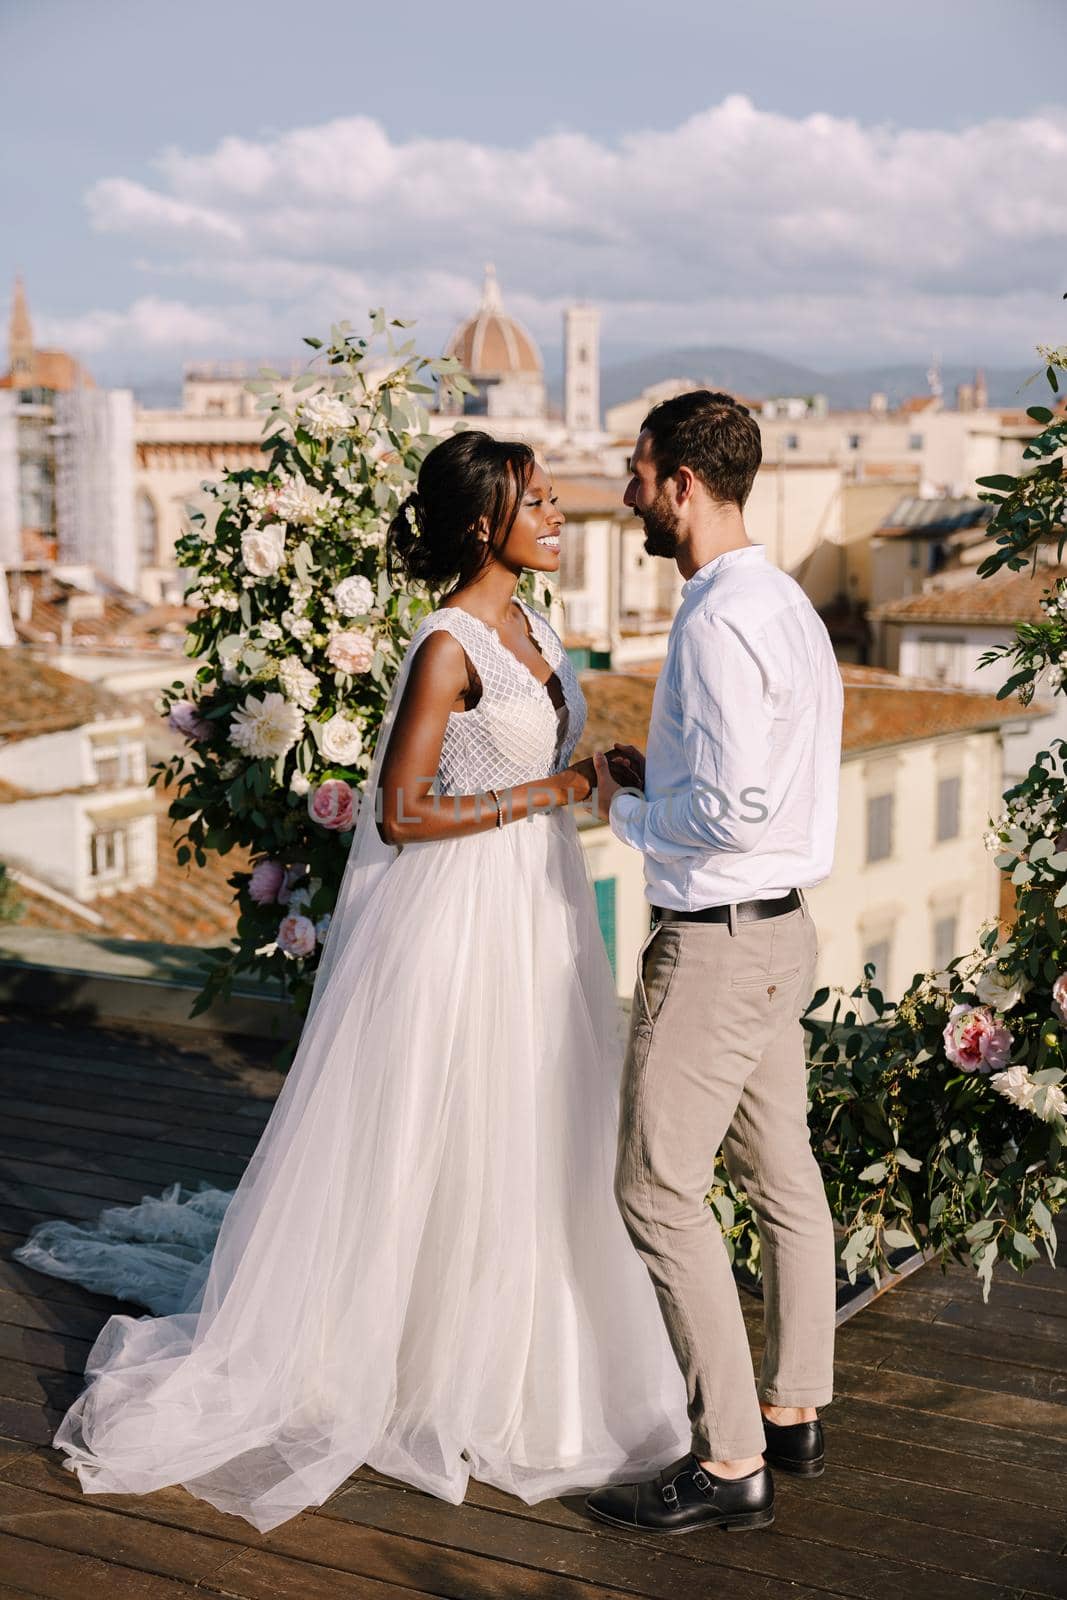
(621, 767)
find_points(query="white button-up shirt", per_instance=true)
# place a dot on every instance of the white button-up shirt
(744, 745)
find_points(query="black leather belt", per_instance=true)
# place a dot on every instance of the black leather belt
(747, 910)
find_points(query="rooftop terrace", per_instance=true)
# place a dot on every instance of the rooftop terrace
(947, 1442)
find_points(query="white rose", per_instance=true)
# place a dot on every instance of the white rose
(263, 549)
(354, 596)
(1016, 1085)
(342, 740)
(300, 684)
(994, 988)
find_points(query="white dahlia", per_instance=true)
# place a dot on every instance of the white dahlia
(266, 728)
(324, 415)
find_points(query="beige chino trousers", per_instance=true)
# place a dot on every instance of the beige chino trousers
(716, 1058)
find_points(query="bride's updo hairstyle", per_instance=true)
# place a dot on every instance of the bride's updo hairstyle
(433, 539)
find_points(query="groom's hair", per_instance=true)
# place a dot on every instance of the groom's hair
(713, 435)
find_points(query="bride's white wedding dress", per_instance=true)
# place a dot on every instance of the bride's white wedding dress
(423, 1267)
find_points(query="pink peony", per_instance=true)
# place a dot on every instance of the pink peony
(975, 1041)
(185, 719)
(1059, 997)
(330, 805)
(267, 879)
(351, 651)
(296, 936)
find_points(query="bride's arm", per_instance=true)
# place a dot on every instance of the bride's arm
(409, 811)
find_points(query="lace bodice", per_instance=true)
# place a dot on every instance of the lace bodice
(514, 734)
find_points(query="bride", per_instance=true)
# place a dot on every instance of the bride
(423, 1267)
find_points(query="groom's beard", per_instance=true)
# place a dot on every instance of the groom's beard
(661, 527)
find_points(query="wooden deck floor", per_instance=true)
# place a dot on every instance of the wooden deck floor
(948, 1442)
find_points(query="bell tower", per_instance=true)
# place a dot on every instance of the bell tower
(20, 339)
(581, 368)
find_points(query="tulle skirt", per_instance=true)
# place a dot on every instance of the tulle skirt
(423, 1267)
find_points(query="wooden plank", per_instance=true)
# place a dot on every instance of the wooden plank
(556, 1536)
(1023, 1347)
(933, 1448)
(203, 1075)
(60, 1352)
(100, 1157)
(67, 1089)
(86, 1527)
(851, 1515)
(34, 1569)
(42, 1286)
(944, 1398)
(315, 1554)
(955, 1356)
(49, 1316)
(23, 1380)
(30, 1424)
(103, 1188)
(996, 1525)
(87, 1116)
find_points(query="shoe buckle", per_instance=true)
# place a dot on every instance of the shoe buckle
(702, 1481)
(670, 1494)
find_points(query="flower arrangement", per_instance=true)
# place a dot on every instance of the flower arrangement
(298, 635)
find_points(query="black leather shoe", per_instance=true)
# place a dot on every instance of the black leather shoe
(795, 1447)
(684, 1497)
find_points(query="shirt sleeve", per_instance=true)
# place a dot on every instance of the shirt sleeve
(724, 680)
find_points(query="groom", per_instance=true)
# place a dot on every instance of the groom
(736, 818)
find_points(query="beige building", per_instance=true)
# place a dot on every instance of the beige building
(942, 632)
(76, 819)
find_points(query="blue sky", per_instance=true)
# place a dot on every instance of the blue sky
(837, 182)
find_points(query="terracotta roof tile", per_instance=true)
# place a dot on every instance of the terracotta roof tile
(38, 698)
(880, 709)
(186, 905)
(1003, 598)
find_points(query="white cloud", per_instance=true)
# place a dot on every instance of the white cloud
(826, 239)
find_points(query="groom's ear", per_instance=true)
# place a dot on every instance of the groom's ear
(685, 481)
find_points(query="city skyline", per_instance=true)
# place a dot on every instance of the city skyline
(842, 216)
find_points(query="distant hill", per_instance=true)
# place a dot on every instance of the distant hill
(750, 372)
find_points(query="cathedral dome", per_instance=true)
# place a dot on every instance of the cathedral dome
(492, 344)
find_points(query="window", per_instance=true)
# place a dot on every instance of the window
(879, 827)
(948, 808)
(877, 953)
(572, 557)
(605, 910)
(147, 530)
(792, 441)
(855, 440)
(122, 760)
(944, 941)
(937, 659)
(107, 852)
(915, 441)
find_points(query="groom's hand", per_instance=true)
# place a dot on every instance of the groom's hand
(628, 759)
(606, 786)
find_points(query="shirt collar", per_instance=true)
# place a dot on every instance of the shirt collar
(712, 568)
